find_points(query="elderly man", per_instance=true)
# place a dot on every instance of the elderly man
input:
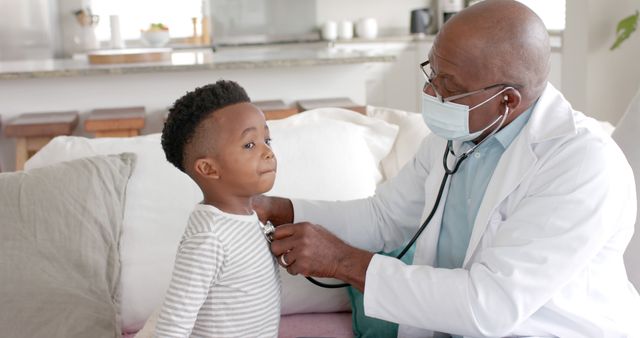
(525, 228)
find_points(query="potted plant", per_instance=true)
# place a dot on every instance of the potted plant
(625, 133)
(625, 28)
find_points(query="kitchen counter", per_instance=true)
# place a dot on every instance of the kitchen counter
(200, 59)
(287, 72)
(185, 58)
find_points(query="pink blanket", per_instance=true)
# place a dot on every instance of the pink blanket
(337, 325)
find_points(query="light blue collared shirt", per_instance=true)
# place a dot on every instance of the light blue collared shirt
(467, 189)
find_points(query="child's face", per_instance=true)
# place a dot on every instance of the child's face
(246, 164)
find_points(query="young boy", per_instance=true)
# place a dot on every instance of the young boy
(225, 281)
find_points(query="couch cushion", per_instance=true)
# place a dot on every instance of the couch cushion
(326, 154)
(158, 202)
(412, 130)
(336, 324)
(59, 263)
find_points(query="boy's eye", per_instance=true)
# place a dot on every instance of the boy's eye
(268, 141)
(249, 145)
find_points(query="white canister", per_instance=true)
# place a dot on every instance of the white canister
(367, 28)
(345, 30)
(330, 30)
(116, 36)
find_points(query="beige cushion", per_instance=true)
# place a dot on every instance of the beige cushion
(59, 233)
(412, 130)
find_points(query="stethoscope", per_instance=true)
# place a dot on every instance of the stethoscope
(458, 159)
(447, 172)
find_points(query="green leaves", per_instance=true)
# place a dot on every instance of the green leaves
(625, 27)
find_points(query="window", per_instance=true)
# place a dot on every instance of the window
(552, 12)
(139, 14)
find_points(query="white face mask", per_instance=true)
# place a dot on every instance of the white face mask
(451, 120)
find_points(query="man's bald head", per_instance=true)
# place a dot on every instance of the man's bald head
(498, 41)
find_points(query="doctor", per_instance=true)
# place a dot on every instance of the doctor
(529, 235)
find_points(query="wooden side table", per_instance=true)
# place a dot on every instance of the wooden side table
(275, 109)
(33, 130)
(116, 122)
(339, 102)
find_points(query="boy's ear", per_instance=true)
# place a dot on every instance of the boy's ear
(207, 168)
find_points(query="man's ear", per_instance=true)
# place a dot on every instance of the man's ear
(512, 98)
(207, 168)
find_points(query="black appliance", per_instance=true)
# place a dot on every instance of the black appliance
(421, 20)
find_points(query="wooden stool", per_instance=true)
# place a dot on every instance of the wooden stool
(339, 102)
(275, 109)
(116, 122)
(32, 131)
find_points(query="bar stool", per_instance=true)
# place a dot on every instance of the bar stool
(116, 122)
(339, 102)
(275, 109)
(34, 130)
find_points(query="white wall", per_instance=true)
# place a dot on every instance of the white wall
(598, 81)
(391, 14)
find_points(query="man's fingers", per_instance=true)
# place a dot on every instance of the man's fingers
(286, 259)
(284, 230)
(280, 246)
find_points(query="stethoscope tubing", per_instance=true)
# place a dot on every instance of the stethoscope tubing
(447, 172)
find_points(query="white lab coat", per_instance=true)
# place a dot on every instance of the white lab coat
(545, 254)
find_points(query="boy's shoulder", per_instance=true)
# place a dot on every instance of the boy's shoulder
(210, 220)
(202, 219)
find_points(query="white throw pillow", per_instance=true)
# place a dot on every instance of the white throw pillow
(322, 154)
(326, 154)
(412, 131)
(329, 154)
(159, 200)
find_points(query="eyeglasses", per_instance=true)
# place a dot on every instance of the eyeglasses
(430, 77)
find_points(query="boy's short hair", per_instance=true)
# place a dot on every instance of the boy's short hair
(190, 110)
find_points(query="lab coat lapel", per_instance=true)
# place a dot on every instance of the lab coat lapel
(428, 242)
(511, 169)
(552, 117)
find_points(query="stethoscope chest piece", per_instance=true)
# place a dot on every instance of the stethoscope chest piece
(268, 229)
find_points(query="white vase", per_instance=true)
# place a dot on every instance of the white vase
(345, 30)
(330, 30)
(367, 28)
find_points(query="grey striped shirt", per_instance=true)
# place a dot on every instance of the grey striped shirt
(225, 281)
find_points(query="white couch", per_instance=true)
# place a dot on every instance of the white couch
(325, 154)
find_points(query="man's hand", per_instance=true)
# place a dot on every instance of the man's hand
(311, 250)
(278, 210)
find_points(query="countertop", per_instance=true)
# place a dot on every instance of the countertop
(353, 51)
(202, 59)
